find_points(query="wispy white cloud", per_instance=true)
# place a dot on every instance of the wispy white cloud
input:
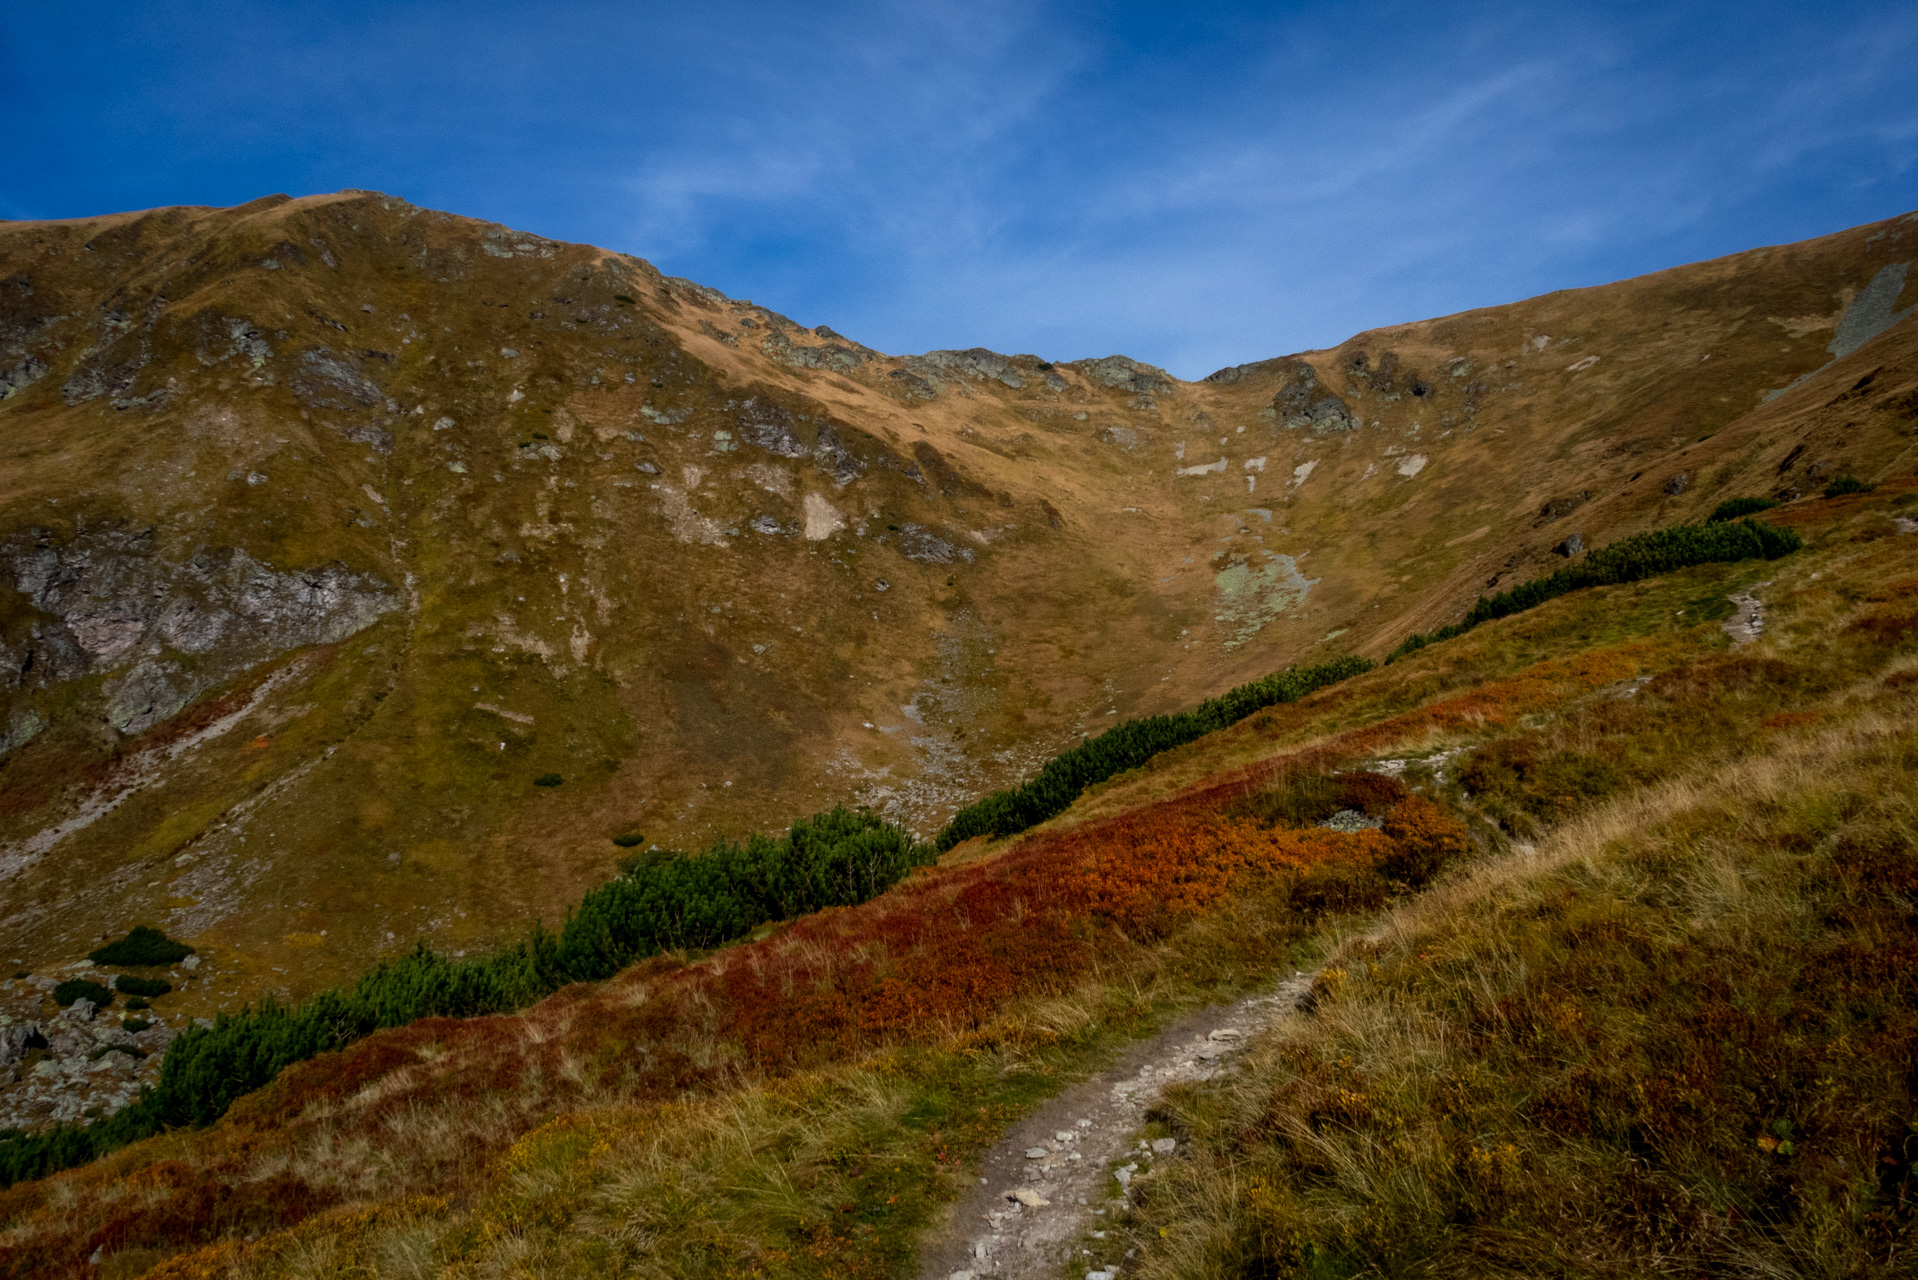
(1191, 185)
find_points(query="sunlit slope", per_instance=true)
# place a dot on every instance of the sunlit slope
(735, 1089)
(335, 523)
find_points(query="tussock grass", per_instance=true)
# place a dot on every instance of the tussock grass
(1674, 1040)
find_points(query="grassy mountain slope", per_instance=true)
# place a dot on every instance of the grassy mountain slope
(333, 523)
(1614, 779)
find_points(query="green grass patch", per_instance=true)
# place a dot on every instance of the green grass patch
(1643, 555)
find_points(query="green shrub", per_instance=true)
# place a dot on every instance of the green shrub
(1129, 745)
(1847, 484)
(128, 985)
(135, 1025)
(81, 989)
(145, 946)
(632, 841)
(665, 901)
(1643, 555)
(548, 780)
(1733, 508)
(137, 1003)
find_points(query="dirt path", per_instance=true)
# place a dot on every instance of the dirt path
(1045, 1185)
(1748, 623)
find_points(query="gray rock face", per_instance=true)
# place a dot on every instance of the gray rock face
(219, 338)
(107, 599)
(837, 357)
(1304, 403)
(24, 374)
(17, 1039)
(976, 363)
(1571, 546)
(1870, 313)
(771, 427)
(928, 546)
(915, 386)
(835, 459)
(1122, 374)
(330, 381)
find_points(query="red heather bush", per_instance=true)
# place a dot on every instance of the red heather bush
(937, 957)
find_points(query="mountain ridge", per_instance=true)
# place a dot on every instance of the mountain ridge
(902, 580)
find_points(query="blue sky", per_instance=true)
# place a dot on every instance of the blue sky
(1193, 185)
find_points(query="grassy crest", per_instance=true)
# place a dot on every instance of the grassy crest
(835, 858)
(1643, 555)
(1129, 745)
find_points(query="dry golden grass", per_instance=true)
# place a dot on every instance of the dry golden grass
(1457, 1105)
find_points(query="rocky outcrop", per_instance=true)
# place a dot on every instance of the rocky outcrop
(1304, 403)
(106, 600)
(1122, 374)
(922, 376)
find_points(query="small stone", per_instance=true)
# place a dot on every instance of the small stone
(1030, 1199)
(190, 963)
(1032, 1153)
(1164, 1146)
(961, 1275)
(1224, 1033)
(509, 353)
(1066, 1135)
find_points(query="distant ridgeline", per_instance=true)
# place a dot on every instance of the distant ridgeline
(1129, 745)
(661, 902)
(1643, 555)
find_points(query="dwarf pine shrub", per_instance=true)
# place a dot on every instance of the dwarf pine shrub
(1643, 555)
(1847, 484)
(1734, 508)
(1129, 745)
(81, 989)
(145, 946)
(663, 901)
(148, 988)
